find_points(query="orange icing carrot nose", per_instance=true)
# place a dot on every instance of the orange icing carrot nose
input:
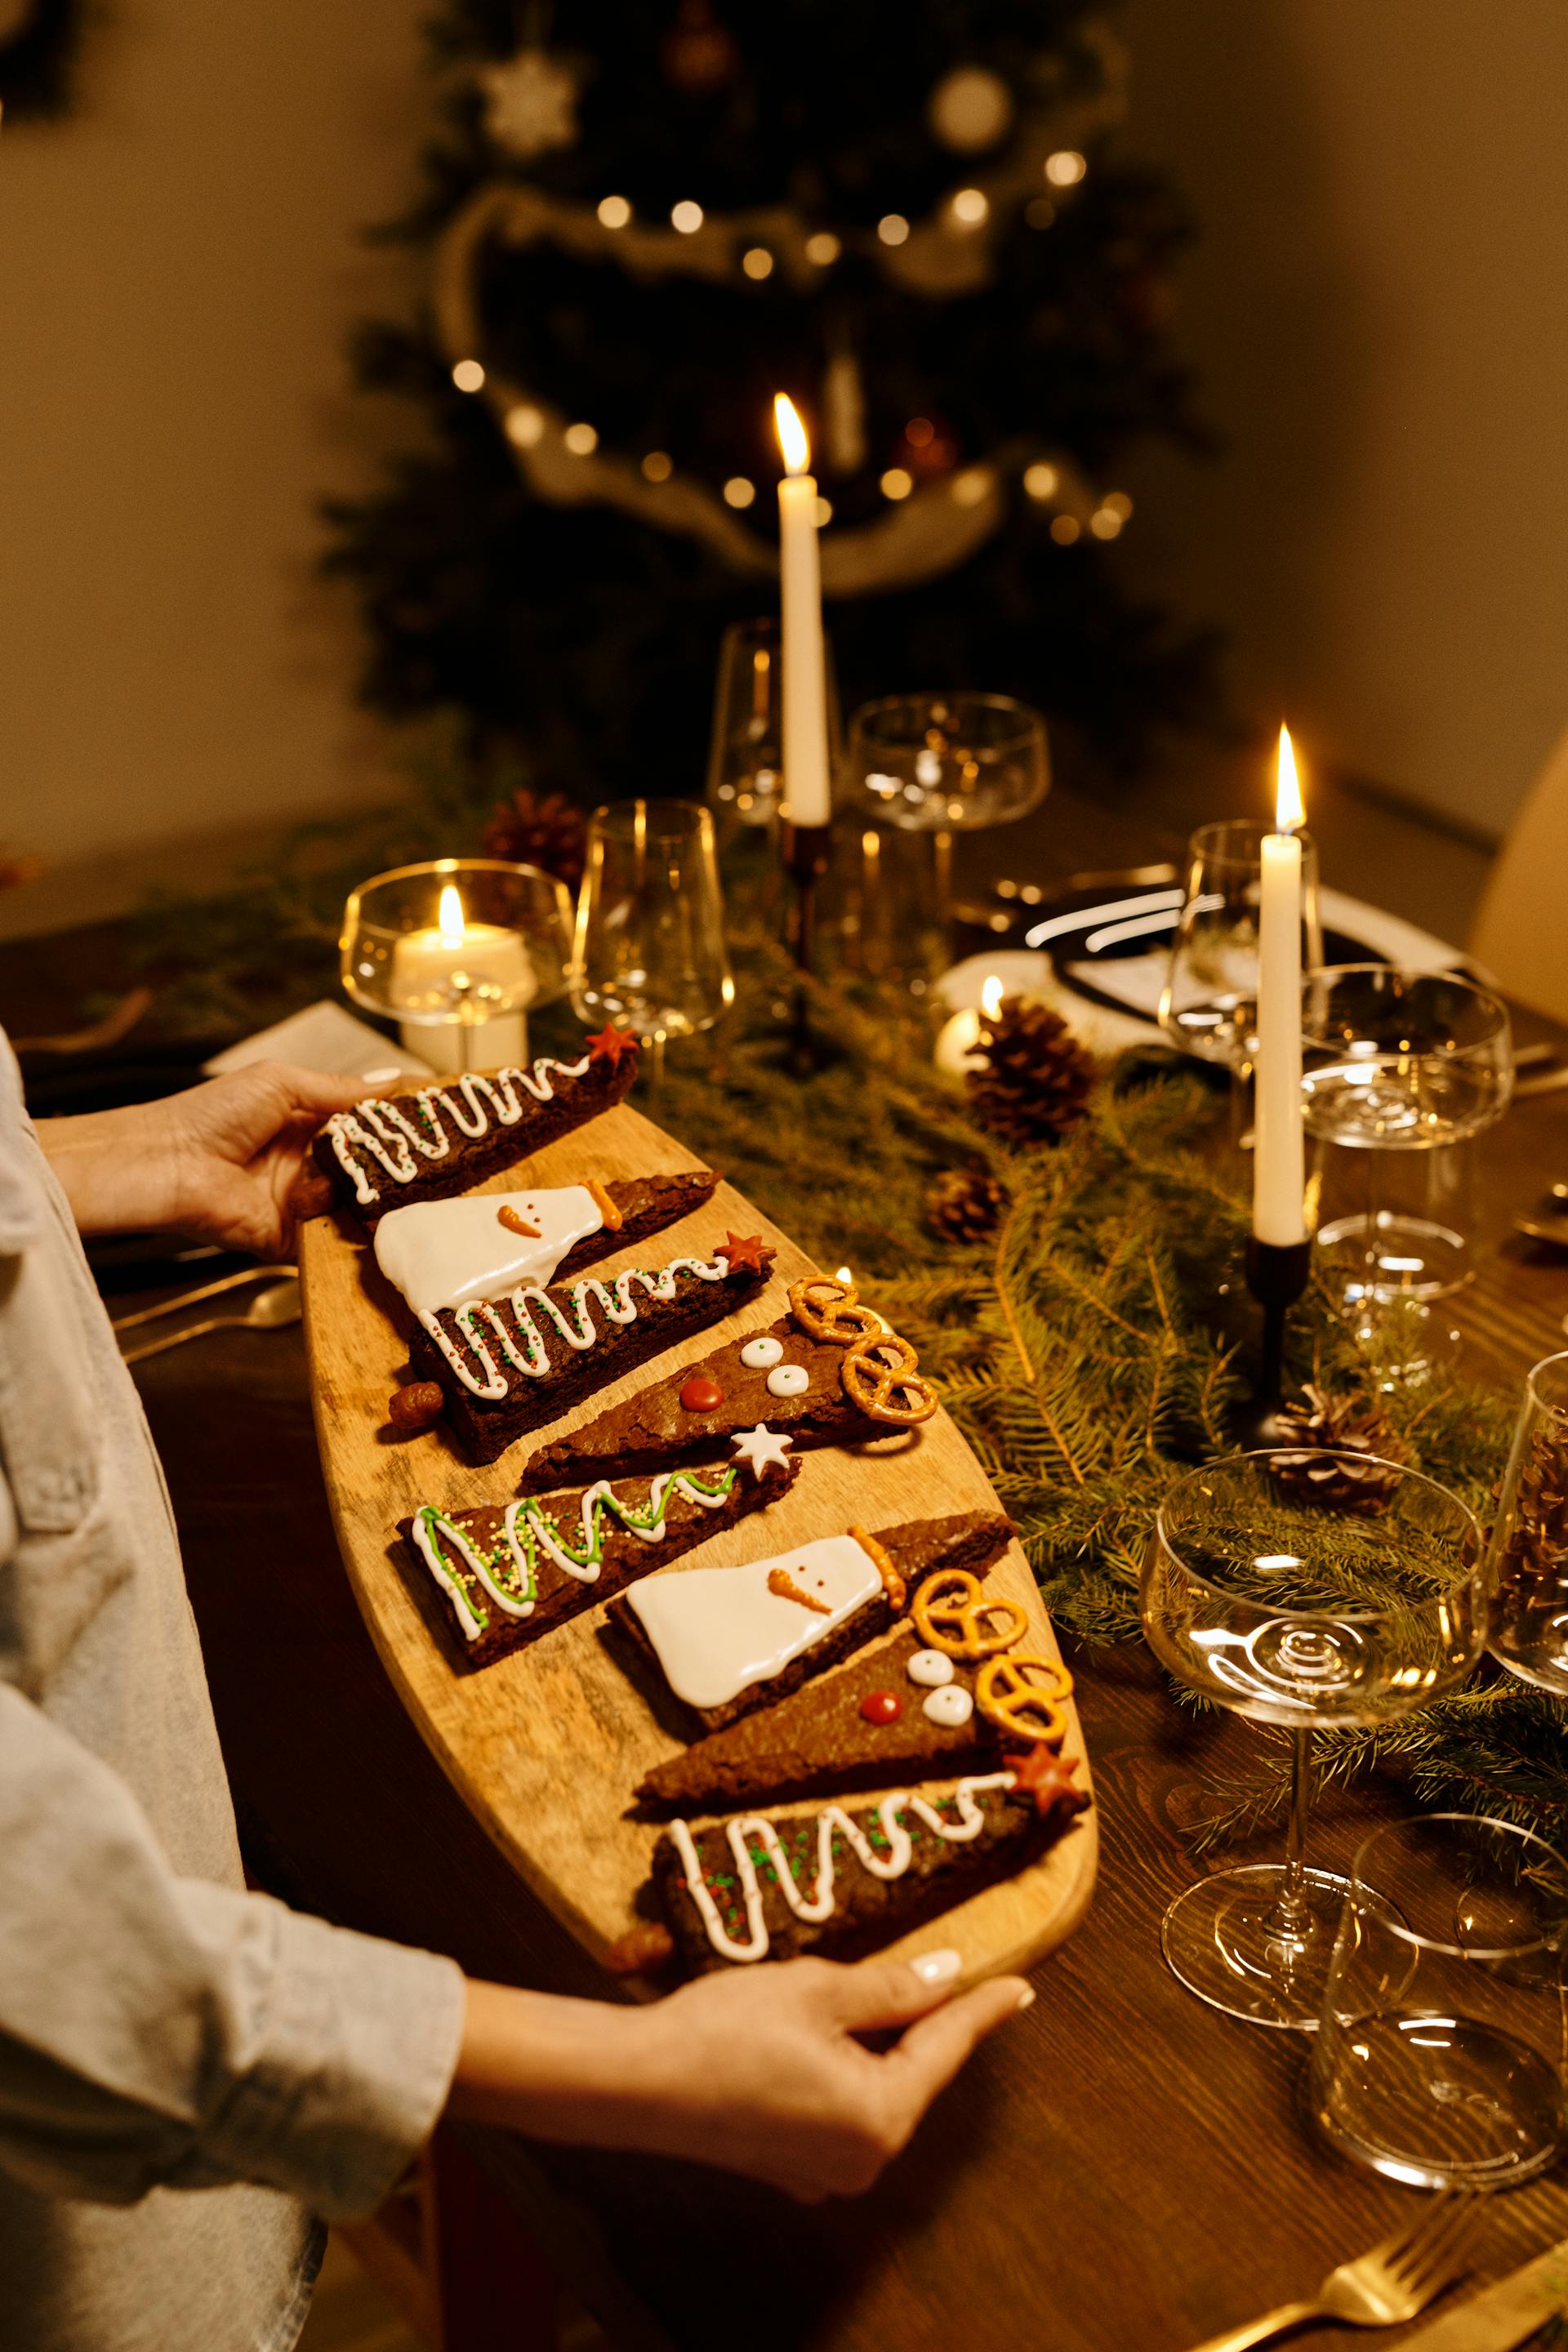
(781, 1582)
(516, 1225)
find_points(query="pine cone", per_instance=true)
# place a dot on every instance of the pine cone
(1322, 1424)
(1035, 1078)
(549, 833)
(1532, 1564)
(964, 1204)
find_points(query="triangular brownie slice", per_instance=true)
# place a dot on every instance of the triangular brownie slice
(495, 1577)
(840, 1883)
(729, 1640)
(902, 1712)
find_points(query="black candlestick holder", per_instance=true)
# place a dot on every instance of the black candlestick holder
(1277, 1275)
(807, 851)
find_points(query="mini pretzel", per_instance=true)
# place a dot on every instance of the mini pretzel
(1019, 1707)
(879, 1375)
(827, 1309)
(953, 1614)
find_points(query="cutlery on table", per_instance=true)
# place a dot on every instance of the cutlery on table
(1380, 2289)
(1550, 1223)
(269, 1310)
(205, 1290)
(1504, 2315)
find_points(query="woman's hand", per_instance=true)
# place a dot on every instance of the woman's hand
(216, 1163)
(755, 2069)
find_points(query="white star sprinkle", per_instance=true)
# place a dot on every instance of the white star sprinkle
(761, 1446)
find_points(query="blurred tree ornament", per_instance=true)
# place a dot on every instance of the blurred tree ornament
(1034, 1079)
(926, 447)
(530, 104)
(970, 109)
(698, 55)
(547, 831)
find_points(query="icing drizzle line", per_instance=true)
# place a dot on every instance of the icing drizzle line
(392, 1139)
(832, 1822)
(574, 1322)
(508, 1574)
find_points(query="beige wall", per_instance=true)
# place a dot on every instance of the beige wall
(178, 263)
(1380, 311)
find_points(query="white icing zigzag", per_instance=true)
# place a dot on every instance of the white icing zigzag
(393, 1138)
(580, 1331)
(833, 1821)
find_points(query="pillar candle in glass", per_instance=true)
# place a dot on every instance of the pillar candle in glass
(451, 962)
(807, 800)
(1278, 1169)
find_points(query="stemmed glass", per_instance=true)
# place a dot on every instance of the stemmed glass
(745, 756)
(947, 763)
(1209, 1005)
(649, 952)
(1401, 1063)
(1292, 1611)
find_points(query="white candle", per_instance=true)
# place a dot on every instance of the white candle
(435, 969)
(960, 1035)
(806, 784)
(1279, 1159)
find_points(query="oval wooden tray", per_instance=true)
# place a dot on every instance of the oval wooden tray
(545, 1746)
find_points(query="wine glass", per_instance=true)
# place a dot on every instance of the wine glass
(1302, 1604)
(947, 763)
(649, 952)
(456, 951)
(1527, 1550)
(745, 755)
(1399, 1063)
(1209, 1004)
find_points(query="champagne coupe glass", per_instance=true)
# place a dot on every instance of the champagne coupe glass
(1407, 1063)
(745, 755)
(1262, 1595)
(456, 951)
(1209, 1004)
(947, 763)
(1527, 1550)
(649, 953)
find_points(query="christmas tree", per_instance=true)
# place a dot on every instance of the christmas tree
(646, 221)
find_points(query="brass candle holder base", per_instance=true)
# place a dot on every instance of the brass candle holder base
(806, 850)
(1277, 1275)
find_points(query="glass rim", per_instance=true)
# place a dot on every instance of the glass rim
(611, 816)
(1373, 966)
(1261, 1454)
(1031, 723)
(1542, 1403)
(1259, 826)
(1363, 1885)
(432, 867)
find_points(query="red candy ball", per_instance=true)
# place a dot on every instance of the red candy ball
(700, 1394)
(881, 1706)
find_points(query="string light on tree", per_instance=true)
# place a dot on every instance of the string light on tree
(757, 262)
(897, 483)
(614, 211)
(822, 249)
(739, 492)
(580, 439)
(658, 465)
(971, 206)
(1066, 168)
(1065, 528)
(468, 377)
(687, 218)
(524, 425)
(893, 229)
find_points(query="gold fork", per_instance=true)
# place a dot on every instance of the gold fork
(269, 1310)
(1393, 2282)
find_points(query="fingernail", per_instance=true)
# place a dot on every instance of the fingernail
(935, 1968)
(1026, 2000)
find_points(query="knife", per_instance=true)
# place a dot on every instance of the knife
(1503, 2314)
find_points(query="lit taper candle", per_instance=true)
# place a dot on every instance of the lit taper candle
(1279, 1159)
(807, 800)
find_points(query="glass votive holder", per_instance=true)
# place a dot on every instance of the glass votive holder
(1527, 1550)
(1439, 2053)
(455, 951)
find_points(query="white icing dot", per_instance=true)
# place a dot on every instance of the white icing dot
(951, 1706)
(932, 1667)
(758, 1354)
(789, 1380)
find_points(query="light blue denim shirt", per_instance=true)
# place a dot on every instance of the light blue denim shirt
(188, 2073)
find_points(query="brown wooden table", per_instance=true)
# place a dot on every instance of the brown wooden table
(1121, 2168)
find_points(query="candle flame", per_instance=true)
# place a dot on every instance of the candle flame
(991, 997)
(450, 921)
(1288, 812)
(791, 434)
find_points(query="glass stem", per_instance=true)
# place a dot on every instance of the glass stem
(1292, 1914)
(1370, 1252)
(655, 1066)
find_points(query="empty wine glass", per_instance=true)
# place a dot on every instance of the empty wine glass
(947, 763)
(1265, 1594)
(745, 756)
(1439, 2057)
(1527, 1550)
(1399, 1063)
(649, 952)
(1209, 1006)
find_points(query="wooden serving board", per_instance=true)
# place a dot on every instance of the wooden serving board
(546, 1746)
